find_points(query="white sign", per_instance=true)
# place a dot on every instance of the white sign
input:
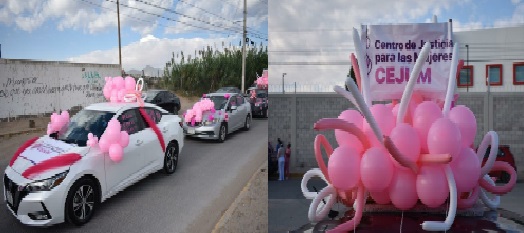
(391, 52)
(44, 149)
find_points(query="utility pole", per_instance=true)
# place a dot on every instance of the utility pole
(244, 47)
(283, 91)
(467, 64)
(119, 43)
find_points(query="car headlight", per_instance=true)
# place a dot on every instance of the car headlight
(47, 184)
(214, 121)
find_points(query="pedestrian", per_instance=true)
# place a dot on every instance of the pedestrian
(279, 143)
(281, 162)
(288, 155)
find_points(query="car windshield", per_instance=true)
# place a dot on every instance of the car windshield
(83, 123)
(219, 101)
(261, 95)
(150, 95)
(227, 90)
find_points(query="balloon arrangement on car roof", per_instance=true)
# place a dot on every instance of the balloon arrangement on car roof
(401, 158)
(114, 139)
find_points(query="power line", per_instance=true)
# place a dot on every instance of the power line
(149, 21)
(211, 13)
(186, 16)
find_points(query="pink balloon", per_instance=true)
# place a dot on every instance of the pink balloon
(432, 185)
(346, 139)
(108, 88)
(464, 118)
(112, 132)
(376, 169)
(466, 170)
(114, 96)
(344, 168)
(395, 110)
(130, 83)
(381, 198)
(54, 117)
(121, 94)
(118, 83)
(385, 120)
(444, 138)
(124, 138)
(407, 141)
(402, 191)
(116, 152)
(49, 128)
(104, 144)
(425, 114)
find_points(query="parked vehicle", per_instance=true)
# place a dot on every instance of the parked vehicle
(503, 154)
(229, 90)
(163, 98)
(231, 114)
(73, 192)
(259, 103)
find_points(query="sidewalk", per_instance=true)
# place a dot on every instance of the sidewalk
(249, 211)
(22, 126)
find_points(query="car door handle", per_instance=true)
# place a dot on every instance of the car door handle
(139, 142)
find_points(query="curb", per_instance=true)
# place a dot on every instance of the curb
(11, 134)
(228, 214)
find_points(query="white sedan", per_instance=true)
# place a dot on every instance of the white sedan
(55, 193)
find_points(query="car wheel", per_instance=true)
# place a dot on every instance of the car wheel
(81, 201)
(222, 133)
(247, 124)
(171, 158)
(265, 113)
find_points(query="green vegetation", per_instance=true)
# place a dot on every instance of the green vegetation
(212, 69)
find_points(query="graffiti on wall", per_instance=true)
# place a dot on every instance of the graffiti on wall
(92, 77)
(30, 88)
(12, 88)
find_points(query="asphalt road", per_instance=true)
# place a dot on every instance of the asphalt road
(209, 177)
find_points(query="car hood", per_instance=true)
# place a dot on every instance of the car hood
(43, 149)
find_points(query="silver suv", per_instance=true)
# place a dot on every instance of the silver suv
(230, 114)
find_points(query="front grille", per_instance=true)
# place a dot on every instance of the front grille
(13, 189)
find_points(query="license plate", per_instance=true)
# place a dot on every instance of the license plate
(190, 131)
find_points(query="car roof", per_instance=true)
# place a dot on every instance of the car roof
(220, 94)
(115, 107)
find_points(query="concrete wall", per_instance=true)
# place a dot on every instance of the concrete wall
(292, 117)
(36, 87)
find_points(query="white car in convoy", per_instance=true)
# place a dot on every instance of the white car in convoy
(73, 192)
(231, 114)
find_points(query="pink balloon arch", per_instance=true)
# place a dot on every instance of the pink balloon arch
(402, 153)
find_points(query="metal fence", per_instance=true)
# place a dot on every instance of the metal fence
(301, 88)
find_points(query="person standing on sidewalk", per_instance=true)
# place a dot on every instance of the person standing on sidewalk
(279, 143)
(281, 162)
(288, 155)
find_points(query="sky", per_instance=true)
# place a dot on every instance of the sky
(311, 40)
(86, 31)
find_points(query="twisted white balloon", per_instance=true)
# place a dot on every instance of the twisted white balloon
(408, 91)
(362, 67)
(451, 81)
(364, 109)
